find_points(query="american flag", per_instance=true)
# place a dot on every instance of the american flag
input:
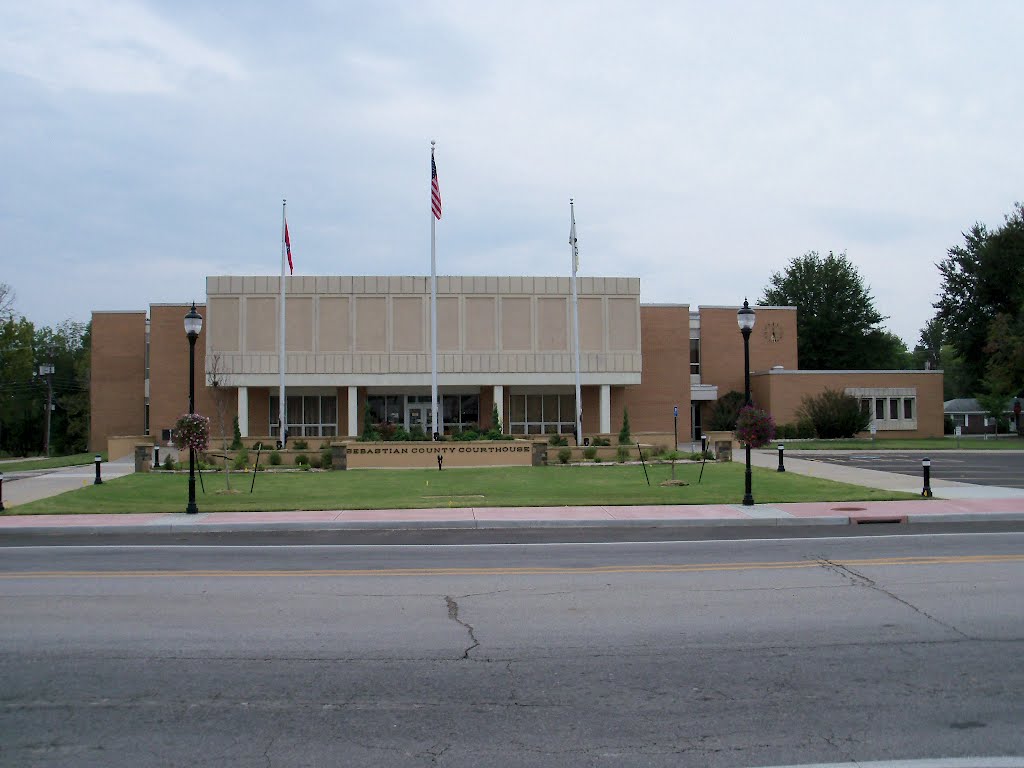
(435, 190)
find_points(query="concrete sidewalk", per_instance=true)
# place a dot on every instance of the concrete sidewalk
(953, 502)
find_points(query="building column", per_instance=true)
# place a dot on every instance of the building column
(353, 411)
(499, 400)
(243, 411)
(605, 409)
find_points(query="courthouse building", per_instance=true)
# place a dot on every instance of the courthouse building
(358, 345)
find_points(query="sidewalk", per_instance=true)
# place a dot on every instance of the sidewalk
(953, 502)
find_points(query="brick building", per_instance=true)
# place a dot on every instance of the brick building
(358, 344)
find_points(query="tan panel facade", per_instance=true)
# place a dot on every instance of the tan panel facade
(553, 325)
(592, 330)
(409, 324)
(298, 332)
(334, 328)
(480, 324)
(224, 322)
(516, 324)
(261, 322)
(371, 324)
(623, 332)
(448, 338)
(117, 392)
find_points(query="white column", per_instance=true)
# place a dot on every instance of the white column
(353, 411)
(243, 411)
(499, 400)
(605, 408)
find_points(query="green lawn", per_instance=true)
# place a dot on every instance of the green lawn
(74, 459)
(416, 488)
(973, 443)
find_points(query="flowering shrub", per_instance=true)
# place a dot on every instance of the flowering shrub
(192, 431)
(754, 427)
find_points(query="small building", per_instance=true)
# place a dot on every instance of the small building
(359, 346)
(972, 418)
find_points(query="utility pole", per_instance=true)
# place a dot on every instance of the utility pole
(47, 370)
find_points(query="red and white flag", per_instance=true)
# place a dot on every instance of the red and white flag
(435, 190)
(288, 248)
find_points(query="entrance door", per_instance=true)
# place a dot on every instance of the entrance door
(418, 414)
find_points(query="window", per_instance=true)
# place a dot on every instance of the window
(542, 414)
(908, 407)
(387, 408)
(879, 409)
(865, 405)
(695, 357)
(461, 412)
(894, 408)
(308, 415)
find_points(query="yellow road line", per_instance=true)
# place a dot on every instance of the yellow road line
(524, 571)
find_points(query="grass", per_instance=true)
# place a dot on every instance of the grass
(949, 443)
(471, 487)
(75, 459)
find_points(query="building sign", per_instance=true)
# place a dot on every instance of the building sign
(423, 454)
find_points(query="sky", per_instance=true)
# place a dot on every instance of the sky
(145, 145)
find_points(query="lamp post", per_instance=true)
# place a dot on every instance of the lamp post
(745, 319)
(193, 324)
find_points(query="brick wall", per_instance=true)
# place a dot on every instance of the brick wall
(117, 391)
(665, 378)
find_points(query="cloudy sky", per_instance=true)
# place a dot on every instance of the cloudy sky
(145, 145)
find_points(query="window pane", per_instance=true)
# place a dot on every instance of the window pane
(376, 406)
(908, 408)
(550, 408)
(518, 429)
(865, 405)
(567, 407)
(470, 409)
(517, 408)
(879, 409)
(329, 410)
(330, 430)
(533, 429)
(550, 428)
(894, 408)
(533, 406)
(450, 409)
(310, 431)
(311, 409)
(294, 409)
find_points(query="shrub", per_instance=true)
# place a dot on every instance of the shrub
(754, 427)
(723, 414)
(258, 445)
(622, 453)
(302, 459)
(300, 445)
(315, 461)
(624, 435)
(326, 459)
(325, 445)
(168, 462)
(590, 453)
(369, 433)
(834, 414)
(417, 433)
(236, 441)
(661, 450)
(600, 441)
(241, 459)
(275, 458)
(557, 440)
(564, 455)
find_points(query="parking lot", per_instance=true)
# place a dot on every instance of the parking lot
(1000, 468)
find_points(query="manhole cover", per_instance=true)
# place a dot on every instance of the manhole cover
(849, 509)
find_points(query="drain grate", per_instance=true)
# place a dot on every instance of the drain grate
(849, 509)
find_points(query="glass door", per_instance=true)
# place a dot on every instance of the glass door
(418, 414)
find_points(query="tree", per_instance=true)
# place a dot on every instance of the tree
(928, 352)
(723, 414)
(982, 280)
(624, 433)
(6, 302)
(837, 323)
(834, 414)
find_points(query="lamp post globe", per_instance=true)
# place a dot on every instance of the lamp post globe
(745, 319)
(193, 325)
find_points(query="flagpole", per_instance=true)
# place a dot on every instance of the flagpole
(282, 403)
(433, 312)
(575, 319)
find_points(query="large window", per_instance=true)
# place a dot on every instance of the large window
(542, 414)
(308, 415)
(695, 357)
(387, 408)
(460, 412)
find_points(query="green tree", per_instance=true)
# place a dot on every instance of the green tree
(624, 433)
(982, 281)
(18, 388)
(837, 323)
(834, 414)
(928, 352)
(723, 414)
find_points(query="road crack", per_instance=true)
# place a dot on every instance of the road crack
(453, 614)
(860, 580)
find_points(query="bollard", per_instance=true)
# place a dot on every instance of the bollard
(156, 457)
(98, 480)
(440, 459)
(1, 491)
(926, 466)
(703, 443)
(782, 449)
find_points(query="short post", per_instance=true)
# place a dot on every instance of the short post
(675, 433)
(98, 480)
(782, 449)
(926, 466)
(156, 457)
(440, 460)
(1, 491)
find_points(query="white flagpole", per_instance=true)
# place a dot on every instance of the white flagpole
(433, 313)
(282, 404)
(576, 318)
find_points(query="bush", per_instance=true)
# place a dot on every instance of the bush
(241, 459)
(590, 453)
(661, 450)
(369, 433)
(236, 441)
(834, 414)
(168, 462)
(326, 459)
(302, 459)
(258, 445)
(325, 445)
(564, 455)
(947, 425)
(300, 445)
(275, 458)
(723, 414)
(417, 433)
(622, 454)
(315, 461)
(557, 440)
(624, 435)
(600, 441)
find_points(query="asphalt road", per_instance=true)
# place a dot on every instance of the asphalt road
(1000, 468)
(711, 653)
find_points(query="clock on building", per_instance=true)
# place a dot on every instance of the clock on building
(773, 332)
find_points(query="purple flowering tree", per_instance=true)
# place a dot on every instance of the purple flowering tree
(192, 432)
(754, 427)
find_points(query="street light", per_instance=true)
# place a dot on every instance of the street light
(193, 325)
(745, 319)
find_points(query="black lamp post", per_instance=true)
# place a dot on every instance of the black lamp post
(193, 325)
(745, 318)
